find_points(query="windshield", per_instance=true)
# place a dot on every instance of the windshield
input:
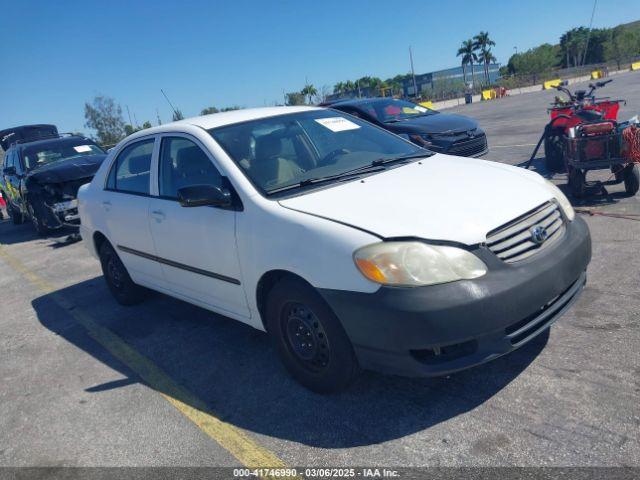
(59, 149)
(392, 110)
(286, 150)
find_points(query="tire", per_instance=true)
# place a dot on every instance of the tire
(118, 280)
(631, 177)
(553, 154)
(296, 313)
(36, 221)
(577, 182)
(16, 217)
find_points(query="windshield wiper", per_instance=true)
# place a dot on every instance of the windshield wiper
(385, 161)
(411, 117)
(369, 168)
(375, 166)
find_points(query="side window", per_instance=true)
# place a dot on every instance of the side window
(11, 161)
(182, 164)
(131, 171)
(17, 162)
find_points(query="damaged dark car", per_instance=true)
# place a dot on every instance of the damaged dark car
(41, 178)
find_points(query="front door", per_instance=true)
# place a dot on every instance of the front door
(196, 245)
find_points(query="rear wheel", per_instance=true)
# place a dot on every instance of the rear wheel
(553, 155)
(631, 176)
(309, 338)
(577, 182)
(118, 280)
(16, 217)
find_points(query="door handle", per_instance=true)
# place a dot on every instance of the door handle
(158, 215)
(106, 205)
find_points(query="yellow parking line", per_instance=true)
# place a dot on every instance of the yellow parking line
(233, 439)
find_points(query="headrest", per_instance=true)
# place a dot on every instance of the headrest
(191, 159)
(268, 146)
(140, 164)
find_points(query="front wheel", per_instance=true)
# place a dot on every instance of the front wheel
(37, 222)
(118, 280)
(631, 176)
(309, 338)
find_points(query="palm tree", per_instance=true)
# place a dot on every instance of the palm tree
(468, 54)
(339, 88)
(482, 42)
(309, 91)
(487, 57)
(349, 86)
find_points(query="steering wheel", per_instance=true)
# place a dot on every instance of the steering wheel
(330, 158)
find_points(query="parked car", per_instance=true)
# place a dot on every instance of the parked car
(439, 132)
(351, 246)
(41, 177)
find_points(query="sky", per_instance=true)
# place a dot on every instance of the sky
(59, 55)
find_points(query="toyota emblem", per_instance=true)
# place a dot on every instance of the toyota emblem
(539, 234)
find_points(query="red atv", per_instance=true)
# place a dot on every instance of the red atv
(584, 135)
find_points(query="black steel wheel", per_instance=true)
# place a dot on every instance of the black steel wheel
(118, 280)
(631, 176)
(305, 335)
(309, 338)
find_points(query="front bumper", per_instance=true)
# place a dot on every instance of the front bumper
(60, 214)
(439, 329)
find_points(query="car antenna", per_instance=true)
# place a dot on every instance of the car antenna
(169, 102)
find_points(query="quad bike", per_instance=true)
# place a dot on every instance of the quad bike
(584, 134)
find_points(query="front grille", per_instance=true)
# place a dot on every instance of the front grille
(514, 241)
(469, 146)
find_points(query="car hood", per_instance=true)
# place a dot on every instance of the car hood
(439, 198)
(439, 123)
(67, 170)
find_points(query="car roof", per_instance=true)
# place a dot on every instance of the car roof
(49, 140)
(222, 119)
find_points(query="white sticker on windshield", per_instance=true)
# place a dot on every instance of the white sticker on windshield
(420, 109)
(82, 148)
(337, 124)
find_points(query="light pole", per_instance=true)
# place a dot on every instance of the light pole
(413, 74)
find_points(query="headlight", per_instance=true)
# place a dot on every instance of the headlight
(416, 263)
(564, 202)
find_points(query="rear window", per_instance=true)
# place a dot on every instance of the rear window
(131, 171)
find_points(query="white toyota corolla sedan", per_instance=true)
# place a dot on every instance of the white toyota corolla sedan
(350, 246)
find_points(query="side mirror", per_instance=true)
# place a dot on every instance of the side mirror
(204, 195)
(10, 170)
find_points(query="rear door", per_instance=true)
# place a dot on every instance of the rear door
(12, 182)
(125, 201)
(196, 245)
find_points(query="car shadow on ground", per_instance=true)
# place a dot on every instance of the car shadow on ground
(233, 369)
(11, 234)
